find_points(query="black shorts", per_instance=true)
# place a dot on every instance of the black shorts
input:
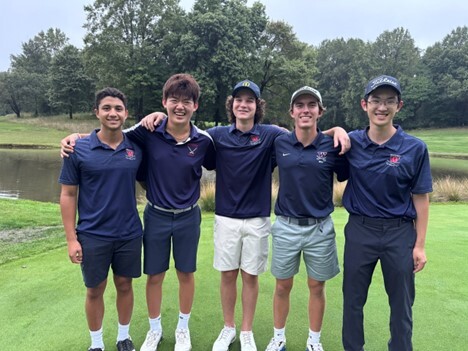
(98, 255)
(165, 229)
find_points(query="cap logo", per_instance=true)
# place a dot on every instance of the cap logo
(246, 84)
(381, 80)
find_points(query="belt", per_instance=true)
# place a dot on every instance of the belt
(301, 221)
(173, 210)
(389, 222)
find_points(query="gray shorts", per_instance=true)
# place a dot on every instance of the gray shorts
(316, 243)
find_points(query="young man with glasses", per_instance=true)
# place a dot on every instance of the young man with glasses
(388, 204)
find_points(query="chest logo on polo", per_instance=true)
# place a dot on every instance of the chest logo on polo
(130, 154)
(393, 160)
(192, 148)
(254, 140)
(321, 156)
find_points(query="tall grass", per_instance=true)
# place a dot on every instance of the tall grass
(446, 189)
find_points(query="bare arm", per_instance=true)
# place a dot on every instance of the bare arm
(68, 198)
(421, 203)
(152, 120)
(340, 137)
(67, 144)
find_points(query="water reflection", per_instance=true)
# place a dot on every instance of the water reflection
(33, 174)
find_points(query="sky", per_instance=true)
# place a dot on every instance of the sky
(428, 21)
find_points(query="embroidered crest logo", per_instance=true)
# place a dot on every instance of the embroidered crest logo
(321, 156)
(394, 160)
(192, 148)
(254, 140)
(130, 154)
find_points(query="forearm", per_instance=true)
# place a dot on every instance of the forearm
(68, 210)
(421, 204)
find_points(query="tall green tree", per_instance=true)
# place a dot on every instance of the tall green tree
(395, 53)
(33, 65)
(125, 46)
(447, 63)
(283, 65)
(219, 48)
(343, 71)
(70, 88)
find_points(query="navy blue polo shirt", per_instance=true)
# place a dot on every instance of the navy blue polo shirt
(306, 176)
(174, 169)
(244, 165)
(383, 177)
(106, 183)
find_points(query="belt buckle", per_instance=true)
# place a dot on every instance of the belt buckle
(303, 221)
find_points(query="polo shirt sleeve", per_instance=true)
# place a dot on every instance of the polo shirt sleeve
(69, 175)
(137, 134)
(341, 168)
(209, 162)
(422, 182)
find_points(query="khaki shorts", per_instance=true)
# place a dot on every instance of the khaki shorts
(241, 243)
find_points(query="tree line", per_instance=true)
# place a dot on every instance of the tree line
(136, 45)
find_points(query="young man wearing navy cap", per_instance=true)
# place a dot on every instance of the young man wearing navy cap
(388, 204)
(244, 167)
(307, 160)
(99, 179)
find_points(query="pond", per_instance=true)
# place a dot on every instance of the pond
(33, 174)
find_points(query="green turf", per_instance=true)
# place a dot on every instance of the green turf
(42, 296)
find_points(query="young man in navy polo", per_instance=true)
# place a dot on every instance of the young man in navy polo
(98, 179)
(175, 153)
(307, 161)
(388, 204)
(244, 168)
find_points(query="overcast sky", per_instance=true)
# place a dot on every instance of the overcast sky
(428, 21)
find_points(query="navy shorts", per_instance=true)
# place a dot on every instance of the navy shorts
(166, 229)
(124, 256)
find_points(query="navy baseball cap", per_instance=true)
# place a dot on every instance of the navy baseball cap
(247, 84)
(380, 81)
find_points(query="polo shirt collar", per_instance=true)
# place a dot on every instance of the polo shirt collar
(161, 129)
(393, 143)
(255, 130)
(315, 143)
(94, 141)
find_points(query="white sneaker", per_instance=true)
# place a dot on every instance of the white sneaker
(225, 339)
(247, 341)
(153, 338)
(314, 347)
(276, 345)
(182, 337)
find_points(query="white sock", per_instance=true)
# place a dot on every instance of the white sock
(183, 320)
(96, 339)
(155, 323)
(279, 334)
(122, 333)
(314, 337)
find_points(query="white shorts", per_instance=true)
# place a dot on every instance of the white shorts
(241, 243)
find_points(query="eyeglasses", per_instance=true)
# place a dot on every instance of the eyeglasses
(378, 102)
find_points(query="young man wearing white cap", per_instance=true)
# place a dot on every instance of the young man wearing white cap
(307, 161)
(388, 203)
